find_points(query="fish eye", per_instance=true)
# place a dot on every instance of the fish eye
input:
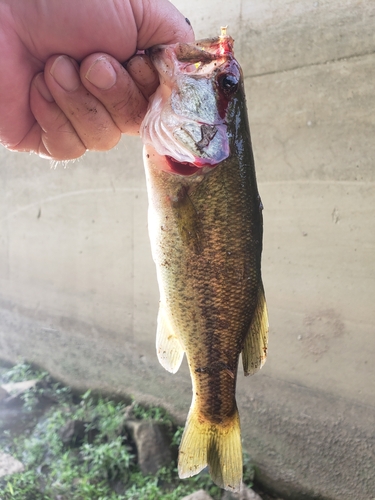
(228, 83)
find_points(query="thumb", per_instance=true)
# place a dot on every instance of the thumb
(160, 23)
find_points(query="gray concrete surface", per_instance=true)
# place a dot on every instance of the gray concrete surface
(78, 291)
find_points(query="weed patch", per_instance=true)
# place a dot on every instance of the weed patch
(79, 448)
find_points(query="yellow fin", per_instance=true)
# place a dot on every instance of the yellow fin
(168, 347)
(216, 445)
(255, 349)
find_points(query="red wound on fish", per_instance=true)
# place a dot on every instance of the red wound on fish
(225, 46)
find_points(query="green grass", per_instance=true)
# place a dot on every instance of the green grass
(45, 387)
(102, 466)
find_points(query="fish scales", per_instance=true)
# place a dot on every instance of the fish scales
(214, 270)
(205, 225)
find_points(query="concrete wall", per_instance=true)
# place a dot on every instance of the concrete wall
(78, 292)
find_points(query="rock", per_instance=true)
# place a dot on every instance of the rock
(244, 494)
(153, 444)
(198, 495)
(73, 432)
(9, 464)
(3, 393)
(17, 388)
(14, 390)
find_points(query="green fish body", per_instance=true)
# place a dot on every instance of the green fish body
(205, 226)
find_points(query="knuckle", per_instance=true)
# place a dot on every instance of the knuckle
(104, 142)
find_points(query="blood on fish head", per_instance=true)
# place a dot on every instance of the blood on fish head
(186, 121)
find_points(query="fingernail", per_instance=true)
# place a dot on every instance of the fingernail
(102, 74)
(142, 71)
(65, 73)
(42, 88)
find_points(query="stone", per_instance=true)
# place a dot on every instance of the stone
(9, 464)
(153, 444)
(198, 495)
(73, 432)
(18, 388)
(3, 393)
(245, 493)
(14, 391)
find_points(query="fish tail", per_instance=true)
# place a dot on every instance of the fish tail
(216, 445)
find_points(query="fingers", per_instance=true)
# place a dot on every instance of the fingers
(87, 108)
(143, 72)
(51, 135)
(69, 119)
(87, 115)
(160, 23)
(115, 87)
(57, 136)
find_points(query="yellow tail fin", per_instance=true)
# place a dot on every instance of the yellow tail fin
(216, 445)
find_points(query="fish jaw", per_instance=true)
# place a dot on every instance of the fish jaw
(186, 121)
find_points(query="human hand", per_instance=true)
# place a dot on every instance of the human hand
(50, 104)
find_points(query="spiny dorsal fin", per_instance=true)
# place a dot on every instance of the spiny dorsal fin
(168, 347)
(255, 349)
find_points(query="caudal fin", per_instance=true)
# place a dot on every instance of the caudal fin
(216, 445)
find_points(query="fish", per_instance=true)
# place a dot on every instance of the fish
(205, 227)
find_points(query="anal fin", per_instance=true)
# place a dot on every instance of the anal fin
(168, 347)
(254, 352)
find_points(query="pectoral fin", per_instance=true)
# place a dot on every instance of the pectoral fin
(168, 347)
(255, 349)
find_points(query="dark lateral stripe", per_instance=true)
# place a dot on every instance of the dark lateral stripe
(215, 395)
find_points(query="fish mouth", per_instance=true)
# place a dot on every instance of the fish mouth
(186, 168)
(202, 52)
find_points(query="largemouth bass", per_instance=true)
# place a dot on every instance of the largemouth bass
(205, 226)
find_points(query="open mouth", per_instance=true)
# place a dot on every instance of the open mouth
(184, 168)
